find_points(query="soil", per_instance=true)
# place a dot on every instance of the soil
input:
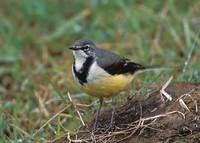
(148, 119)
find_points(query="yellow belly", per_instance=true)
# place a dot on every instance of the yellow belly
(107, 86)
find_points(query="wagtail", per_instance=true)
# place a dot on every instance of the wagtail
(101, 73)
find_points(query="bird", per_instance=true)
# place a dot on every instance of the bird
(102, 73)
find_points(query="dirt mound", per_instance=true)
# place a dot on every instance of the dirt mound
(149, 119)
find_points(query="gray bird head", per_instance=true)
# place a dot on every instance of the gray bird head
(83, 48)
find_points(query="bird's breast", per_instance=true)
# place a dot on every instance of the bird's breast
(107, 86)
(96, 72)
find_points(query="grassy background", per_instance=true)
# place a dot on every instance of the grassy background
(35, 63)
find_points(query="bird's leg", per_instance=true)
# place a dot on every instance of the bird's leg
(98, 112)
(112, 121)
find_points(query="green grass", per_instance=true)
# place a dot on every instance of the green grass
(35, 63)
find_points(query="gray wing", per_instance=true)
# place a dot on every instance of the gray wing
(114, 64)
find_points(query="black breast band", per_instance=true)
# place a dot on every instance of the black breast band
(83, 72)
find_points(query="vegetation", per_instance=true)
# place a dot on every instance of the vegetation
(35, 63)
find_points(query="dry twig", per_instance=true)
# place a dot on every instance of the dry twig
(77, 111)
(128, 131)
(53, 117)
(182, 103)
(163, 92)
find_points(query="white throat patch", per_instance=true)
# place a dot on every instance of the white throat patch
(80, 58)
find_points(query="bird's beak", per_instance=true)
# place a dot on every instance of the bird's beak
(72, 48)
(75, 48)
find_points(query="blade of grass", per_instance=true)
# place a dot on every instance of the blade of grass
(189, 55)
(56, 89)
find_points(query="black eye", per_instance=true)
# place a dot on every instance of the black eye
(86, 47)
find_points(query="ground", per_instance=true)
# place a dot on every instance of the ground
(148, 119)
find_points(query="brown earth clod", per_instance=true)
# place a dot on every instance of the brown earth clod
(148, 119)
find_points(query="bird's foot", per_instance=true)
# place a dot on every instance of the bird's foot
(95, 125)
(111, 126)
